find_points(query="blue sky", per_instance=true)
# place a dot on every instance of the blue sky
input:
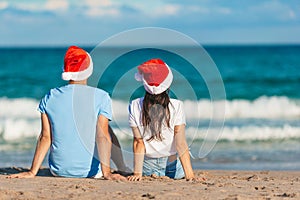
(88, 22)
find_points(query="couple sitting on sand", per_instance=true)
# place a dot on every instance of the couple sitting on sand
(75, 127)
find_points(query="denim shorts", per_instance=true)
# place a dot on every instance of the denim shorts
(162, 167)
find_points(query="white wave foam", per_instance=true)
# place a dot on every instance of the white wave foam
(20, 118)
(246, 133)
(261, 108)
(231, 133)
(18, 108)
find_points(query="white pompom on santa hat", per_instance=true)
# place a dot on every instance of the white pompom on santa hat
(78, 64)
(156, 76)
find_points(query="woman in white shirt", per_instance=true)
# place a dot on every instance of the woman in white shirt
(158, 126)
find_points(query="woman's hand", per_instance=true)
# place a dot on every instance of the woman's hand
(29, 174)
(135, 177)
(195, 179)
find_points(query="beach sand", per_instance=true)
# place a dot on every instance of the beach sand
(220, 184)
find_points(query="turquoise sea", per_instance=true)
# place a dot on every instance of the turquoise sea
(262, 104)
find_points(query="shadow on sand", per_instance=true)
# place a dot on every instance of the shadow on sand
(14, 170)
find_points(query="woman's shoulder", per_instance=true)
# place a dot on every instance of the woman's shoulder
(175, 105)
(175, 102)
(136, 103)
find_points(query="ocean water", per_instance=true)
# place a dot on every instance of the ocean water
(262, 105)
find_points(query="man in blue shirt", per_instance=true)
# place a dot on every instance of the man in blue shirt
(75, 125)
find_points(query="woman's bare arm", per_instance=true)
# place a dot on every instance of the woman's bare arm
(139, 152)
(183, 151)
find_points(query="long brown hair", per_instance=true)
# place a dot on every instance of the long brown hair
(154, 113)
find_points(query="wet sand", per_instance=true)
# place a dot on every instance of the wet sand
(221, 184)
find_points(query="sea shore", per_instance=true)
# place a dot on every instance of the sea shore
(220, 184)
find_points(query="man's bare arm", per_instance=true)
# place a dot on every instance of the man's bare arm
(42, 147)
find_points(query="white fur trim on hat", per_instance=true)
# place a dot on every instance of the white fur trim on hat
(162, 87)
(79, 76)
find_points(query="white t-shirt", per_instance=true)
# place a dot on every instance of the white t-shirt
(156, 148)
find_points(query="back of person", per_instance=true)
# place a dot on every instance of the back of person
(73, 111)
(157, 148)
(158, 126)
(75, 126)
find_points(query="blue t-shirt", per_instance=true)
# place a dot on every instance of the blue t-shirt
(73, 111)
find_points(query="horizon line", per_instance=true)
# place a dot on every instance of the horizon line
(124, 46)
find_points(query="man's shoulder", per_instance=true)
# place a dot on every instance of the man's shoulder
(51, 92)
(67, 89)
(59, 89)
(88, 90)
(99, 93)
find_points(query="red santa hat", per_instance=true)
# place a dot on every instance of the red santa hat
(155, 75)
(78, 64)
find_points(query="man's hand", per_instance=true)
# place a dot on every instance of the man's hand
(115, 177)
(22, 175)
(42, 146)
